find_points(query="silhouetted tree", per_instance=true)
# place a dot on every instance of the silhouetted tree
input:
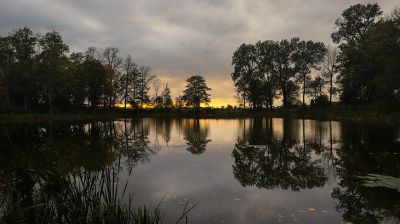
(52, 66)
(316, 91)
(244, 61)
(156, 86)
(129, 77)
(112, 62)
(354, 24)
(179, 102)
(77, 83)
(196, 91)
(96, 80)
(166, 97)
(330, 69)
(309, 55)
(265, 67)
(18, 57)
(144, 81)
(351, 34)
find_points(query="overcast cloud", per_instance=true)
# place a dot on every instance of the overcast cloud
(179, 38)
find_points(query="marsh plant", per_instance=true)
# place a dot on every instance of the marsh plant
(79, 197)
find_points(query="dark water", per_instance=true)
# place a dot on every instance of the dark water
(259, 170)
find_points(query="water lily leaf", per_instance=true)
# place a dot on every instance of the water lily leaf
(377, 180)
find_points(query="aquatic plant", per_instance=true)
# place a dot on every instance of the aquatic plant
(377, 180)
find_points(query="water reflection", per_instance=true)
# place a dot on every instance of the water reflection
(67, 173)
(365, 150)
(297, 156)
(301, 154)
(196, 135)
(277, 162)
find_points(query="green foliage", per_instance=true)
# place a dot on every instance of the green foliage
(355, 23)
(263, 70)
(37, 75)
(365, 68)
(309, 55)
(369, 68)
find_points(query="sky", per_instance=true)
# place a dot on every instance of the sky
(179, 38)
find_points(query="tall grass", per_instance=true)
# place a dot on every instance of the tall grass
(79, 197)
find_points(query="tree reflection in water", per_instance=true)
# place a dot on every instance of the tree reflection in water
(196, 136)
(134, 143)
(279, 163)
(367, 149)
(41, 164)
(67, 173)
(267, 157)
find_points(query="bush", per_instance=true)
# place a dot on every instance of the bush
(321, 100)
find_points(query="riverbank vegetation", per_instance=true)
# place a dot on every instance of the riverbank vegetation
(365, 113)
(39, 75)
(74, 174)
(362, 70)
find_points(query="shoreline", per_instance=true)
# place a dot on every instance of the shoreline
(353, 114)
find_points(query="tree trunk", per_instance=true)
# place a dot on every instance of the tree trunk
(331, 90)
(8, 96)
(244, 100)
(111, 91)
(271, 102)
(50, 96)
(284, 95)
(126, 91)
(110, 100)
(25, 103)
(304, 90)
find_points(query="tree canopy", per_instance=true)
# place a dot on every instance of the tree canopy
(36, 73)
(196, 91)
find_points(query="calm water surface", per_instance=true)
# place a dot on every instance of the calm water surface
(258, 170)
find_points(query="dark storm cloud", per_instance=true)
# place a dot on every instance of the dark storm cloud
(177, 38)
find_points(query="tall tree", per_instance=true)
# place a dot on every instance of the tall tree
(145, 79)
(330, 68)
(244, 61)
(382, 57)
(351, 32)
(96, 80)
(166, 96)
(130, 69)
(112, 62)
(285, 68)
(6, 58)
(156, 86)
(308, 56)
(266, 51)
(196, 91)
(76, 85)
(20, 77)
(52, 58)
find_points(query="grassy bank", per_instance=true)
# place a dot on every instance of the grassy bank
(338, 113)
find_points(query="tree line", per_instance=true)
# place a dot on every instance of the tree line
(37, 73)
(364, 67)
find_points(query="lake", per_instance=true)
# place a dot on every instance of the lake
(253, 170)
